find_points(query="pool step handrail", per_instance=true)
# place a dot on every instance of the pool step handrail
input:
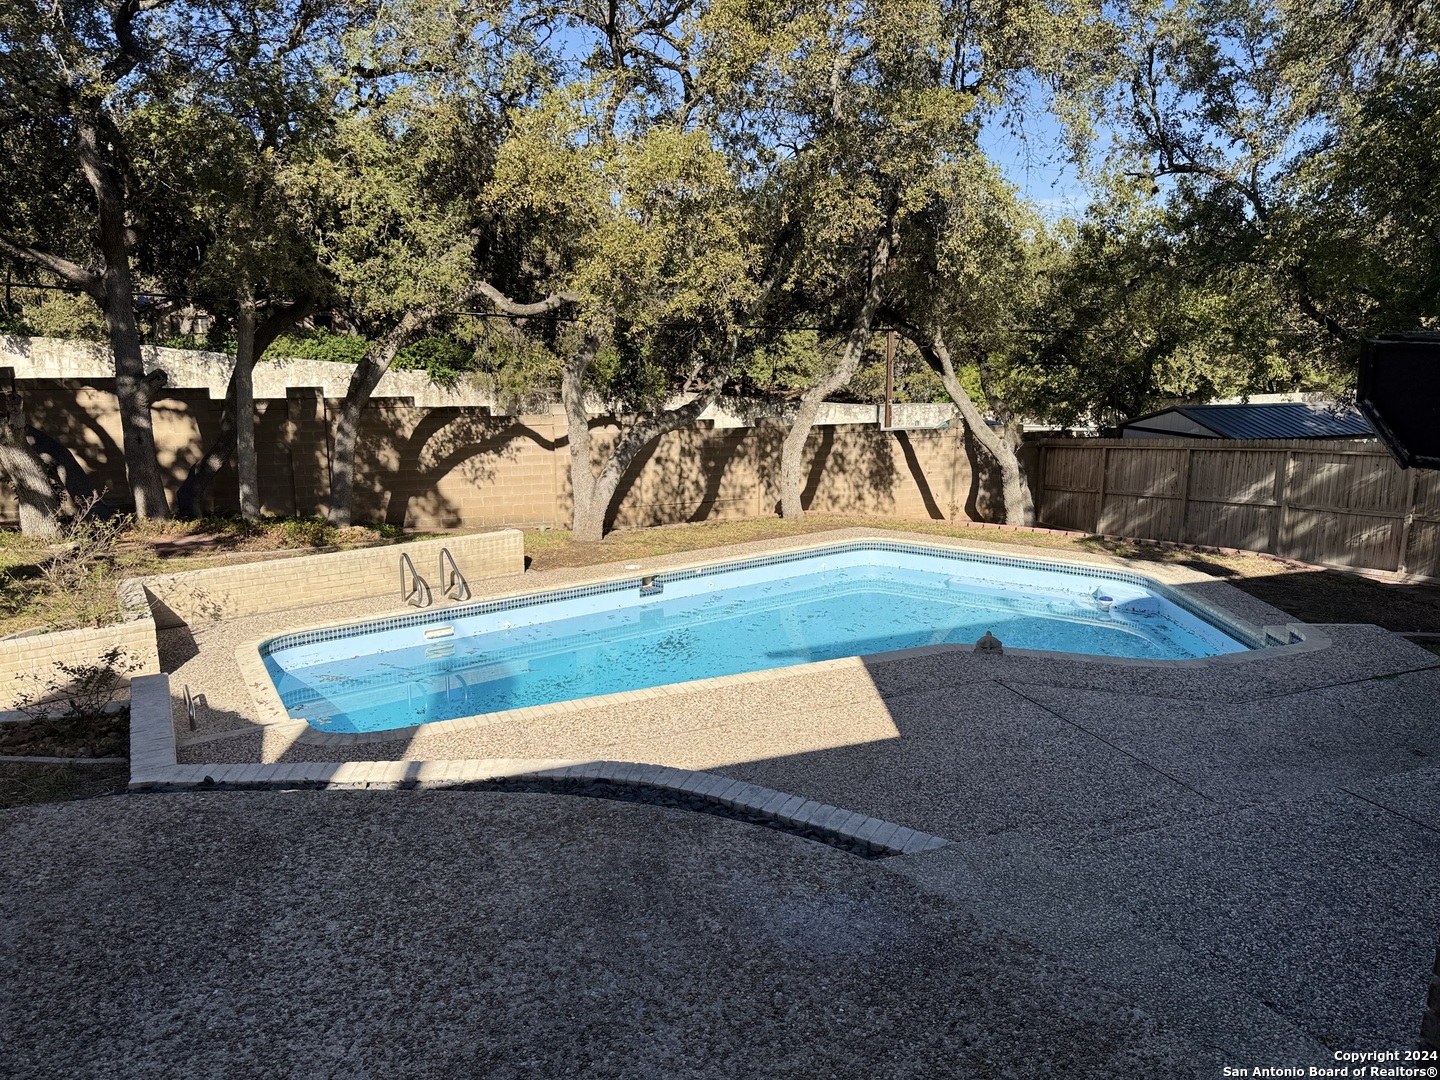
(453, 585)
(191, 710)
(416, 592)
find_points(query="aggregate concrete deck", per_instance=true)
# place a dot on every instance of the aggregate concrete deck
(1245, 852)
(424, 934)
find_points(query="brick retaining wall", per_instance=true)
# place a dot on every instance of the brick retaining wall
(38, 654)
(277, 584)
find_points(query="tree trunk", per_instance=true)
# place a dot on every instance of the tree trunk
(38, 505)
(117, 302)
(368, 373)
(190, 499)
(792, 452)
(1018, 495)
(243, 377)
(1019, 506)
(593, 493)
(587, 522)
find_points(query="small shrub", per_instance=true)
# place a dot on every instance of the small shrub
(68, 711)
(81, 691)
(83, 547)
(443, 360)
(306, 532)
(213, 341)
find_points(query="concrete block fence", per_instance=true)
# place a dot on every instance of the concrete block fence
(432, 458)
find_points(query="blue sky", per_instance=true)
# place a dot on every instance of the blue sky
(1037, 163)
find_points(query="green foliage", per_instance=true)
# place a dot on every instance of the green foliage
(444, 360)
(14, 322)
(1271, 199)
(306, 532)
(63, 315)
(318, 344)
(216, 340)
(789, 363)
(914, 381)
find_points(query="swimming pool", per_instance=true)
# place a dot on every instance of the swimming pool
(853, 599)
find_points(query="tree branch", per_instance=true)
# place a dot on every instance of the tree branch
(551, 303)
(75, 274)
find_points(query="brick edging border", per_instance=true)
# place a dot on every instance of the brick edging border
(153, 768)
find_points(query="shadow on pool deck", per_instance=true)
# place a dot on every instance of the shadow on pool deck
(1261, 874)
(1245, 852)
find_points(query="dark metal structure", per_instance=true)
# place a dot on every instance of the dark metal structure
(1270, 420)
(1399, 393)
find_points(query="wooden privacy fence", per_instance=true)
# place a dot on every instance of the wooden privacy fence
(1335, 503)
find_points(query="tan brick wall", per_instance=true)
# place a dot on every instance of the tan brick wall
(38, 655)
(446, 467)
(276, 584)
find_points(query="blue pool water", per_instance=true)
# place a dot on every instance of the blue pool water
(853, 600)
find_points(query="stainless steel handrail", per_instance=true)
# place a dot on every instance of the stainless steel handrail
(453, 585)
(418, 593)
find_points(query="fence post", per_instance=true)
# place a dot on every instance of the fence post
(1100, 503)
(1409, 519)
(1182, 532)
(1038, 490)
(1282, 503)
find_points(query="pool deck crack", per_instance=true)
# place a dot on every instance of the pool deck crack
(1298, 692)
(1100, 738)
(1391, 810)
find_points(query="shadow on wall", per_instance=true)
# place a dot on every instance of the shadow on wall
(87, 423)
(446, 467)
(856, 470)
(695, 474)
(456, 466)
(985, 500)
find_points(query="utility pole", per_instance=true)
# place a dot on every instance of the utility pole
(889, 375)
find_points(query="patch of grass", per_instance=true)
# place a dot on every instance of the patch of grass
(29, 785)
(34, 596)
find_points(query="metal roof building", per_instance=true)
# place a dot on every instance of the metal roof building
(1278, 420)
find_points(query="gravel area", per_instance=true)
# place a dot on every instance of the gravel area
(312, 934)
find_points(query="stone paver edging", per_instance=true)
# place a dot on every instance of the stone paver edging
(153, 767)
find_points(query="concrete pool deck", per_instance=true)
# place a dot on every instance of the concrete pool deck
(1151, 870)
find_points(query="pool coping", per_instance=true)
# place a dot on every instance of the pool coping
(1288, 638)
(154, 767)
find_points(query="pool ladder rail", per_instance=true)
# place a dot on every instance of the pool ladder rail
(453, 585)
(415, 590)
